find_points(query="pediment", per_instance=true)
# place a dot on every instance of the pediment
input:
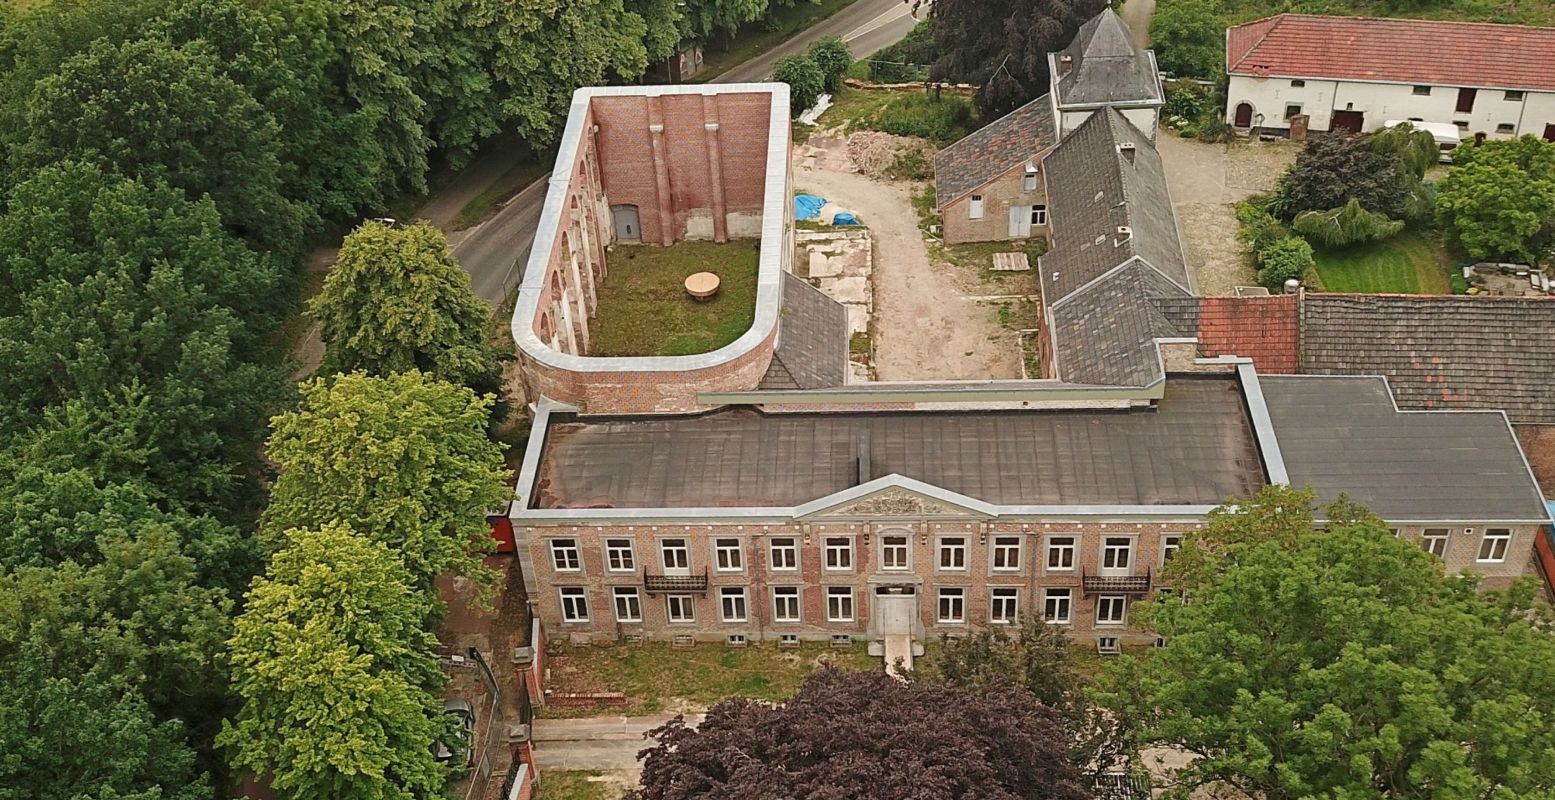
(895, 496)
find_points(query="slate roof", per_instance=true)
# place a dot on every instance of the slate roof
(1343, 434)
(812, 351)
(1106, 66)
(1439, 352)
(994, 149)
(1105, 335)
(1394, 51)
(1195, 448)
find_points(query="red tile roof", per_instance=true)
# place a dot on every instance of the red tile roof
(1409, 51)
(1265, 329)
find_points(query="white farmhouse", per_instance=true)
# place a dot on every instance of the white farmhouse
(1351, 73)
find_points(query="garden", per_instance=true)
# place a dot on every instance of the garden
(644, 309)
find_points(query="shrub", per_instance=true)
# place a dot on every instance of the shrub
(1258, 229)
(1334, 168)
(1185, 100)
(910, 165)
(1286, 258)
(1345, 226)
(804, 79)
(831, 54)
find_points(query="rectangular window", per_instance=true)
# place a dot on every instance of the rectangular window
(839, 553)
(1423, 91)
(1117, 552)
(1466, 100)
(1297, 84)
(839, 604)
(1030, 183)
(784, 554)
(1003, 605)
(1006, 553)
(620, 556)
(676, 554)
(629, 606)
(1110, 609)
(952, 552)
(1056, 605)
(1434, 540)
(1513, 95)
(1060, 553)
(680, 608)
(1292, 110)
(575, 605)
(564, 555)
(1492, 549)
(893, 552)
(785, 604)
(732, 603)
(1170, 544)
(952, 606)
(730, 557)
(974, 209)
(1039, 215)
(1506, 127)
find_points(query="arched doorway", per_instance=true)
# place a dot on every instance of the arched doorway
(1243, 117)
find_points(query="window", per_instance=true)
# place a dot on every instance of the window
(1003, 605)
(788, 640)
(975, 208)
(1492, 549)
(893, 552)
(680, 607)
(735, 640)
(1108, 645)
(839, 553)
(730, 558)
(1462, 125)
(1506, 127)
(564, 555)
(1110, 609)
(1170, 544)
(1117, 552)
(1030, 184)
(1395, 532)
(675, 554)
(785, 604)
(1465, 103)
(1424, 91)
(1160, 641)
(784, 554)
(1039, 215)
(1006, 553)
(952, 552)
(1297, 84)
(1434, 541)
(1056, 605)
(1060, 553)
(619, 555)
(732, 603)
(839, 604)
(952, 606)
(1513, 96)
(1292, 110)
(575, 605)
(629, 606)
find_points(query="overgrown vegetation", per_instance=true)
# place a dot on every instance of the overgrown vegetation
(1001, 47)
(644, 309)
(939, 117)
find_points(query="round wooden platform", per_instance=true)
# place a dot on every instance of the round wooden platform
(702, 285)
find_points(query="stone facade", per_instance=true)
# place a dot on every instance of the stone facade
(1007, 191)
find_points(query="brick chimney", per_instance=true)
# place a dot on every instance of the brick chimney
(1122, 235)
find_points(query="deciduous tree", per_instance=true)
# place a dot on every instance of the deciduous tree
(1334, 169)
(1189, 38)
(805, 81)
(1498, 200)
(1002, 46)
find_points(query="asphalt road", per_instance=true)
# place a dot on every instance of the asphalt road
(495, 252)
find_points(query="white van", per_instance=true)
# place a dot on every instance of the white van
(1445, 133)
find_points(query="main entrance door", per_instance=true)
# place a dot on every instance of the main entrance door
(1352, 121)
(1243, 118)
(1020, 222)
(896, 607)
(628, 225)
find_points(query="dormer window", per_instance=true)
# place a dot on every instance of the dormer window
(1031, 176)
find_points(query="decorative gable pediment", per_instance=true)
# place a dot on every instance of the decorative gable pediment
(895, 496)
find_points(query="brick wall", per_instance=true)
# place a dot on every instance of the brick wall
(1006, 190)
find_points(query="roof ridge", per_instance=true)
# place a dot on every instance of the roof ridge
(1410, 20)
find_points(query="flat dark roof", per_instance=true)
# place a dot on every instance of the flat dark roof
(1195, 448)
(1343, 434)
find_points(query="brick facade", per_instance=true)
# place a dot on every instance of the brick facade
(998, 195)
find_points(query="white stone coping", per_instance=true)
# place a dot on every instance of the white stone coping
(769, 265)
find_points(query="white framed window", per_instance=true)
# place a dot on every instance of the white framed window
(1108, 645)
(729, 556)
(675, 553)
(564, 555)
(974, 209)
(1039, 215)
(620, 556)
(952, 552)
(1111, 609)
(1434, 541)
(1057, 605)
(952, 606)
(1170, 544)
(1006, 553)
(839, 553)
(680, 608)
(785, 604)
(894, 552)
(839, 604)
(731, 603)
(783, 554)
(1506, 127)
(1003, 605)
(1060, 553)
(1492, 548)
(1117, 552)
(629, 605)
(575, 604)
(1030, 184)
(1292, 109)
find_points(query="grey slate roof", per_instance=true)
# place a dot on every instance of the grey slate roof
(1104, 335)
(1343, 434)
(1107, 67)
(994, 149)
(812, 351)
(1439, 352)
(1196, 447)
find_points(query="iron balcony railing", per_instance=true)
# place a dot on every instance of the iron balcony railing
(675, 584)
(1116, 584)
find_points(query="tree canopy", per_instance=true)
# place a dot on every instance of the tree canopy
(1002, 46)
(1189, 38)
(1333, 169)
(1498, 200)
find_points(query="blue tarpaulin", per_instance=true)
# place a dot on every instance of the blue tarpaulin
(808, 206)
(844, 218)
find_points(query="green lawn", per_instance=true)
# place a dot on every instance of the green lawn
(756, 38)
(644, 309)
(1409, 263)
(571, 785)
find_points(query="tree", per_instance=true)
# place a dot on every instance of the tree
(338, 678)
(402, 459)
(805, 81)
(865, 736)
(1002, 46)
(832, 56)
(1190, 38)
(396, 300)
(1334, 169)
(1416, 149)
(1341, 663)
(1286, 258)
(1345, 226)
(1498, 200)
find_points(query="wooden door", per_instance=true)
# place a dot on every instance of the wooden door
(1244, 115)
(1020, 221)
(1549, 132)
(1352, 121)
(1466, 100)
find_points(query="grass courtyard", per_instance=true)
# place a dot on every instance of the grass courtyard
(644, 310)
(1409, 263)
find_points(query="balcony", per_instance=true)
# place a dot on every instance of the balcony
(675, 584)
(1115, 584)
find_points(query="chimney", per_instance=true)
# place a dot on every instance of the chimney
(1065, 63)
(1124, 233)
(1126, 149)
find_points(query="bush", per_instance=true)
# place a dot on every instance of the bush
(1286, 258)
(1258, 229)
(1185, 100)
(831, 54)
(805, 81)
(1333, 169)
(1189, 37)
(941, 121)
(910, 165)
(1345, 226)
